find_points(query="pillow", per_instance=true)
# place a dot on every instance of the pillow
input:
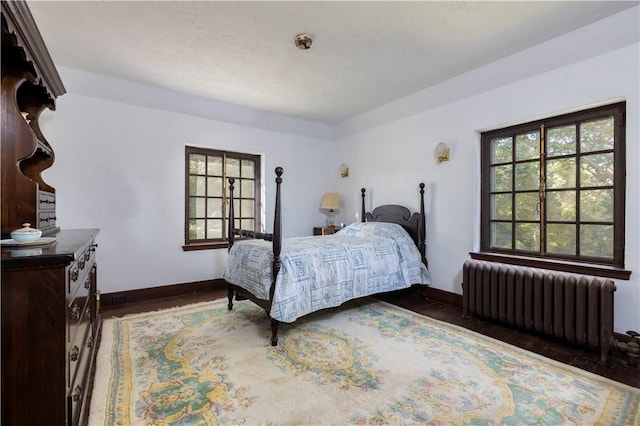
(383, 229)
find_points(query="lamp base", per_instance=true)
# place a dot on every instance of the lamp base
(331, 218)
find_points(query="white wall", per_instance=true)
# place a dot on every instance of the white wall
(392, 158)
(120, 168)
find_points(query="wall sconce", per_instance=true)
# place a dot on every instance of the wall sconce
(344, 170)
(331, 204)
(442, 153)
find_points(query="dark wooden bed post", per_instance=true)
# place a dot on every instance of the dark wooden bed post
(231, 221)
(363, 211)
(422, 228)
(277, 247)
(230, 236)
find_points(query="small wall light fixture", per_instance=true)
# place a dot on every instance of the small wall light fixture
(344, 170)
(442, 153)
(331, 204)
(303, 41)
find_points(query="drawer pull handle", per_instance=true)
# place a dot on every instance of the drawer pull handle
(87, 255)
(48, 201)
(90, 342)
(74, 274)
(74, 354)
(77, 393)
(75, 311)
(87, 313)
(87, 283)
(81, 263)
(93, 247)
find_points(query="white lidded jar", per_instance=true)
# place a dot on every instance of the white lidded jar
(26, 233)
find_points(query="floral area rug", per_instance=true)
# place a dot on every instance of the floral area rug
(367, 362)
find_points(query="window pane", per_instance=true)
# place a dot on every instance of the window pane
(561, 141)
(248, 224)
(596, 135)
(501, 235)
(596, 240)
(246, 188)
(561, 238)
(501, 207)
(596, 205)
(528, 146)
(528, 236)
(214, 228)
(236, 207)
(196, 164)
(214, 187)
(561, 173)
(196, 229)
(233, 167)
(527, 176)
(527, 206)
(501, 150)
(248, 169)
(214, 166)
(596, 170)
(247, 207)
(196, 207)
(214, 207)
(501, 178)
(561, 205)
(196, 185)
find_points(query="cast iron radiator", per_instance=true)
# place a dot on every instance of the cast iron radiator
(576, 308)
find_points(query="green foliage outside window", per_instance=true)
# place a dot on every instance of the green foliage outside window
(553, 186)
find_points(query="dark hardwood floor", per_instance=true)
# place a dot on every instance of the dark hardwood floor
(617, 369)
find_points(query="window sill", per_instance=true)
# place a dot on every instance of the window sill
(205, 246)
(556, 265)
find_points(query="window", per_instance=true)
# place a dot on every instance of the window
(206, 199)
(555, 188)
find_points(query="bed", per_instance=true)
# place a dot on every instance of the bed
(294, 277)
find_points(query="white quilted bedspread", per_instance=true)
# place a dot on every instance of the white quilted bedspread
(326, 271)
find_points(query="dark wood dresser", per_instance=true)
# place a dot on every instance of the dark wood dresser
(50, 322)
(50, 327)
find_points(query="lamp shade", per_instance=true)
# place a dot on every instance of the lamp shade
(330, 201)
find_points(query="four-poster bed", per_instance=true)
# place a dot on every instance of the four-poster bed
(296, 276)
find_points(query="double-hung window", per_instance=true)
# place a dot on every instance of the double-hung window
(555, 188)
(206, 195)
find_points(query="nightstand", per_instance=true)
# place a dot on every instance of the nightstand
(325, 230)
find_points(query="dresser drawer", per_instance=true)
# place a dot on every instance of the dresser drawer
(80, 345)
(77, 396)
(46, 200)
(78, 313)
(79, 271)
(78, 279)
(47, 219)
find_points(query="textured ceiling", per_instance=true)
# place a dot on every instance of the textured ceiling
(364, 54)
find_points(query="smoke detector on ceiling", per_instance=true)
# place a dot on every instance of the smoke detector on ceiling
(303, 41)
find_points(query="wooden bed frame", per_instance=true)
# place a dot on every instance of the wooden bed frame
(414, 224)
